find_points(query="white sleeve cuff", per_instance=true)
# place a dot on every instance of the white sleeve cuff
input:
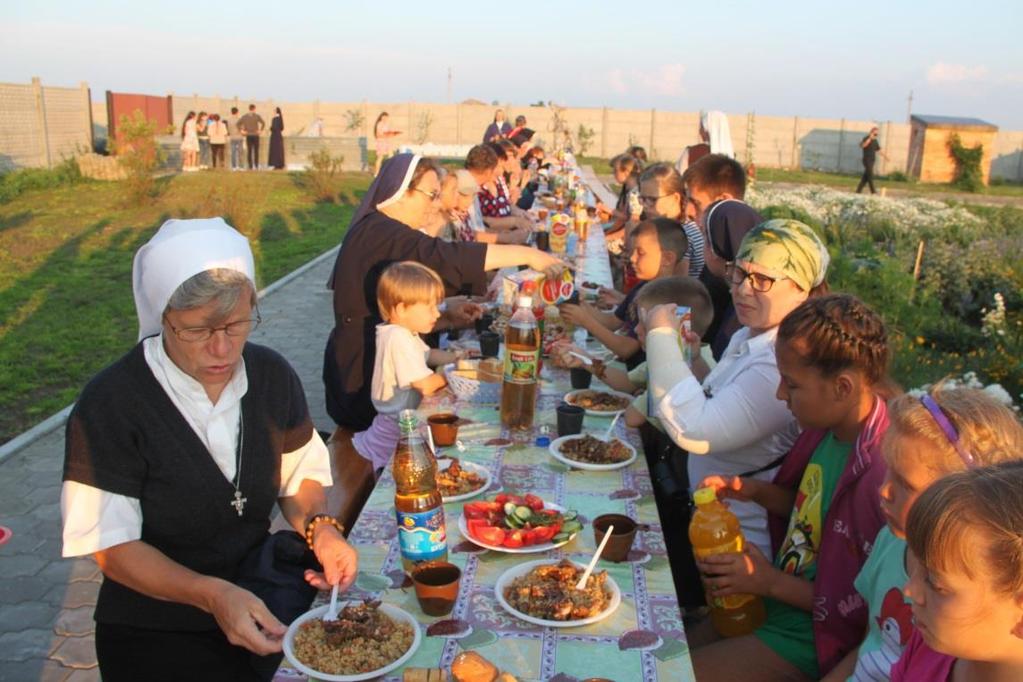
(667, 411)
(311, 461)
(95, 519)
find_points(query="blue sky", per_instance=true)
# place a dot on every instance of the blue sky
(782, 58)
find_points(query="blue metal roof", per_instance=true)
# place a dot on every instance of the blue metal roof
(953, 121)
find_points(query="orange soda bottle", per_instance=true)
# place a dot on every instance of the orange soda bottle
(714, 529)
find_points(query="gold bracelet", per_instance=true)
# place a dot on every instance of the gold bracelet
(316, 519)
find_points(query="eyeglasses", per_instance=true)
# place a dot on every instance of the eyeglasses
(197, 334)
(948, 429)
(651, 199)
(758, 282)
(433, 195)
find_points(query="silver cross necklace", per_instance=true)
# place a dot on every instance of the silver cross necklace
(239, 502)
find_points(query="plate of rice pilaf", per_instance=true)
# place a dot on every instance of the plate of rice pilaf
(543, 593)
(368, 640)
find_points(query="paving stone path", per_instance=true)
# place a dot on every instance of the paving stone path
(46, 602)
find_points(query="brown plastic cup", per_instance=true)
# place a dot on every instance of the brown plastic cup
(622, 537)
(444, 428)
(436, 584)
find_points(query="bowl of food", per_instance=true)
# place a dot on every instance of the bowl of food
(369, 639)
(544, 593)
(458, 480)
(583, 451)
(599, 403)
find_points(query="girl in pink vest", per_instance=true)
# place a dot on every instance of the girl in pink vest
(824, 508)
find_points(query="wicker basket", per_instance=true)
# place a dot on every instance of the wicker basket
(472, 390)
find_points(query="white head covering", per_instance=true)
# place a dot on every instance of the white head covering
(181, 249)
(716, 125)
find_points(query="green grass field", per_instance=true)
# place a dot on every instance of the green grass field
(66, 307)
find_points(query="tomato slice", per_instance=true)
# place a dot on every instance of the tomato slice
(516, 500)
(472, 513)
(501, 498)
(534, 502)
(474, 525)
(529, 537)
(490, 535)
(543, 534)
(513, 540)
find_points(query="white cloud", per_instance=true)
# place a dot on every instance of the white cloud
(945, 74)
(665, 80)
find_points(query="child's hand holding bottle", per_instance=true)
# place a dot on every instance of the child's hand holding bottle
(746, 572)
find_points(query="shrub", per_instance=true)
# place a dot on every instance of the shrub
(969, 176)
(323, 176)
(139, 154)
(15, 183)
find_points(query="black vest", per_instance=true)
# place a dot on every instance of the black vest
(127, 437)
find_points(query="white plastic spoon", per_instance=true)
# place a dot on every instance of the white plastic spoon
(586, 360)
(331, 613)
(593, 562)
(610, 429)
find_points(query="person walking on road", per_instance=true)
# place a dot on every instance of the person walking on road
(870, 147)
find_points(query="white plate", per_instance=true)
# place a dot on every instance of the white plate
(599, 413)
(556, 453)
(522, 569)
(392, 612)
(443, 464)
(531, 549)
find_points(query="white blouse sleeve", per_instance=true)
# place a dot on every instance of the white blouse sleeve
(311, 461)
(95, 519)
(744, 411)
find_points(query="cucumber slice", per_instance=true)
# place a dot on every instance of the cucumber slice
(524, 513)
(513, 521)
(571, 527)
(569, 515)
(561, 537)
(509, 508)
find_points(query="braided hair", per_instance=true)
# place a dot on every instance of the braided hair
(837, 332)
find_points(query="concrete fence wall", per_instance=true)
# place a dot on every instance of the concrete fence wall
(40, 126)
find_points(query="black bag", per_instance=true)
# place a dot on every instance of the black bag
(274, 571)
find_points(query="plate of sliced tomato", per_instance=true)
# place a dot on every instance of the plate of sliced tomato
(518, 524)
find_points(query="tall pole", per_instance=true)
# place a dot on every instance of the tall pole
(909, 107)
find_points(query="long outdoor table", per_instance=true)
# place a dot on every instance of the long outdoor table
(642, 640)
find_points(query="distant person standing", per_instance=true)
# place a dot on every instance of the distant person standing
(277, 140)
(498, 129)
(189, 144)
(252, 124)
(217, 130)
(382, 135)
(204, 139)
(236, 139)
(870, 147)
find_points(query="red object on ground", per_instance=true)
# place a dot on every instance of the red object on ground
(5, 534)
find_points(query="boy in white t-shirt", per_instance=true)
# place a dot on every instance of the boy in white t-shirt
(408, 296)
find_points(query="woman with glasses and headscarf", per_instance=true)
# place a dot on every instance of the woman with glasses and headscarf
(177, 455)
(729, 419)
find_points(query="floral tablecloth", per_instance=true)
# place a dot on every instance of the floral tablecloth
(642, 640)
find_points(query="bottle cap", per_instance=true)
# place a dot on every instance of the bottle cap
(407, 418)
(543, 440)
(704, 496)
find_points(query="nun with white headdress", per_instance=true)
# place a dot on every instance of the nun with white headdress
(403, 198)
(176, 455)
(715, 138)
